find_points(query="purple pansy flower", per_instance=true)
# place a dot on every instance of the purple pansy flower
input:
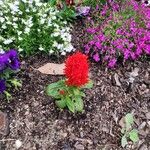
(3, 62)
(13, 60)
(2, 86)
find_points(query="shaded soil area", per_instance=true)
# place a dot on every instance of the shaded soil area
(40, 125)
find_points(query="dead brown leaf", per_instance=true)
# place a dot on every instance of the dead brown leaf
(52, 68)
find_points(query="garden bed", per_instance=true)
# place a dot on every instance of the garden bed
(39, 124)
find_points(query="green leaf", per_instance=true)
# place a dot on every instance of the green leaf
(133, 135)
(89, 85)
(129, 120)
(16, 83)
(124, 141)
(53, 2)
(61, 103)
(70, 104)
(8, 96)
(79, 104)
(76, 91)
(52, 89)
(82, 94)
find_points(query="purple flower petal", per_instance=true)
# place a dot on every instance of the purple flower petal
(2, 86)
(96, 57)
(14, 63)
(112, 63)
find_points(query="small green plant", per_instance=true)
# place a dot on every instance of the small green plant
(128, 132)
(68, 93)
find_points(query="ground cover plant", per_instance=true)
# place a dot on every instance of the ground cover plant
(120, 32)
(32, 27)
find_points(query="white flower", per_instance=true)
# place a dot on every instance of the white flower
(53, 17)
(15, 19)
(20, 38)
(38, 4)
(16, 3)
(63, 53)
(8, 41)
(34, 9)
(18, 144)
(27, 10)
(15, 25)
(13, 7)
(24, 1)
(8, 22)
(42, 21)
(59, 46)
(1, 38)
(4, 26)
(20, 49)
(2, 51)
(45, 15)
(65, 22)
(41, 48)
(29, 22)
(20, 13)
(51, 51)
(56, 34)
(2, 19)
(69, 48)
(27, 30)
(19, 32)
(49, 22)
(55, 44)
(1, 2)
(6, 18)
(1, 13)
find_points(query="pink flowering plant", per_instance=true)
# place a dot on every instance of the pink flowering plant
(9, 64)
(119, 30)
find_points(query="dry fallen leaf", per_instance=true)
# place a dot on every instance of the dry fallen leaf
(122, 122)
(52, 68)
(4, 125)
(135, 72)
(116, 77)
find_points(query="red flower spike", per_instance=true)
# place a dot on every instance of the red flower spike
(76, 70)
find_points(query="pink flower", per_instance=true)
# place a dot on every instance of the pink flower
(96, 57)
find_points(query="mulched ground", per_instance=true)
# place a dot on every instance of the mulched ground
(40, 125)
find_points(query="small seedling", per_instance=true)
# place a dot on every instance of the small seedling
(128, 132)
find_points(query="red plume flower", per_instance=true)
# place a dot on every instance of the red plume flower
(76, 70)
